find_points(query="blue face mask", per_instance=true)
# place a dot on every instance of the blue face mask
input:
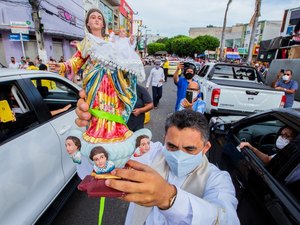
(182, 163)
(157, 67)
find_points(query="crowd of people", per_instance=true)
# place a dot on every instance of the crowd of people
(28, 64)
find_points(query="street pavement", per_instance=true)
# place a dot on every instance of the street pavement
(80, 209)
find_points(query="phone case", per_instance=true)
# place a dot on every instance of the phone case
(189, 96)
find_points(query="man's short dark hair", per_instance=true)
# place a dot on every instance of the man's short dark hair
(43, 67)
(189, 119)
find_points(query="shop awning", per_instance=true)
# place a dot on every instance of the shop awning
(200, 55)
(233, 56)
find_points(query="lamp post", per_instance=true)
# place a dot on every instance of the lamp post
(139, 35)
(146, 42)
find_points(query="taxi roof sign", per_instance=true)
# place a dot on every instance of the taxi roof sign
(19, 27)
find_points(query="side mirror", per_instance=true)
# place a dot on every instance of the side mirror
(217, 126)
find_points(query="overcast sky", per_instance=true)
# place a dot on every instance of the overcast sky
(173, 17)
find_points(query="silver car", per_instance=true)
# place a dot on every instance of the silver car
(35, 166)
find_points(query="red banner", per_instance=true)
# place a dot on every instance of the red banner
(125, 10)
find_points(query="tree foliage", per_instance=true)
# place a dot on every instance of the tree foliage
(182, 45)
(206, 42)
(154, 47)
(162, 40)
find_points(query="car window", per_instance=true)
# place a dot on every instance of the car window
(24, 116)
(203, 71)
(261, 135)
(56, 94)
(234, 72)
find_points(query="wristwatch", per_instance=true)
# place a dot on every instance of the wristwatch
(171, 200)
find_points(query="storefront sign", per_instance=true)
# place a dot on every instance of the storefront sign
(19, 27)
(16, 37)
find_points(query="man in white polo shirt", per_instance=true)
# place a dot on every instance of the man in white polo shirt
(156, 78)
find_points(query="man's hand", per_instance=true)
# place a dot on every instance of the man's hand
(142, 185)
(186, 104)
(137, 111)
(245, 144)
(82, 111)
(180, 65)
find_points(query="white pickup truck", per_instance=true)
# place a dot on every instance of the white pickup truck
(232, 89)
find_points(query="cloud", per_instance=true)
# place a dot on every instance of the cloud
(170, 17)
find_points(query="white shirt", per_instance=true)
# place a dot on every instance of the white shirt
(156, 75)
(217, 206)
(13, 65)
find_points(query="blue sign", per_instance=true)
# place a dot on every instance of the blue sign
(16, 37)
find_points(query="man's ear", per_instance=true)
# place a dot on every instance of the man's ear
(206, 147)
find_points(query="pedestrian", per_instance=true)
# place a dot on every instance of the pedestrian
(143, 104)
(156, 78)
(27, 60)
(13, 64)
(289, 87)
(43, 67)
(181, 186)
(31, 66)
(62, 59)
(22, 63)
(182, 81)
(195, 102)
(166, 68)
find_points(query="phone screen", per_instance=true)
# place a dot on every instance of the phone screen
(189, 96)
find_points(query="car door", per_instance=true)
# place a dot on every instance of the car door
(262, 198)
(57, 93)
(30, 154)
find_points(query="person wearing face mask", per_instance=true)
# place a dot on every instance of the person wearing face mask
(157, 78)
(197, 103)
(182, 81)
(181, 186)
(289, 86)
(286, 135)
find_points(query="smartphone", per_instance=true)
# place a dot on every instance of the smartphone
(189, 96)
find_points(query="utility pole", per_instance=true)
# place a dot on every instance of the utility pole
(253, 23)
(223, 32)
(146, 42)
(39, 29)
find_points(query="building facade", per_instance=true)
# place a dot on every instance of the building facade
(62, 22)
(237, 37)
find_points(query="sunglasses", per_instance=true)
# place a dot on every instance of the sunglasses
(287, 74)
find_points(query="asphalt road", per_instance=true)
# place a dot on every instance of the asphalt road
(80, 209)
